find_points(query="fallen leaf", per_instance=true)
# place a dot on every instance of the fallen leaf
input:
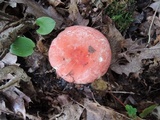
(9, 59)
(75, 15)
(156, 40)
(144, 28)
(98, 112)
(36, 61)
(12, 75)
(16, 99)
(41, 47)
(98, 3)
(135, 57)
(2, 64)
(55, 2)
(156, 20)
(156, 112)
(114, 36)
(11, 31)
(69, 107)
(3, 109)
(38, 11)
(13, 4)
(155, 5)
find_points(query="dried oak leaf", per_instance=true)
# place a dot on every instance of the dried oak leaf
(134, 58)
(155, 6)
(68, 108)
(55, 2)
(16, 98)
(98, 112)
(38, 11)
(75, 15)
(114, 36)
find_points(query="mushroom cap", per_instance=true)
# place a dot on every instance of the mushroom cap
(80, 54)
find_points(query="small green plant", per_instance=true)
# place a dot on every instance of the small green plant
(46, 25)
(121, 13)
(148, 110)
(24, 46)
(132, 112)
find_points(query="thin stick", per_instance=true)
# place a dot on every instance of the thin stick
(118, 100)
(149, 31)
(121, 92)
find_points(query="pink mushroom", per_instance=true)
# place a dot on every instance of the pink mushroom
(80, 54)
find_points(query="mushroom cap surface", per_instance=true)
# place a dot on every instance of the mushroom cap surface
(80, 54)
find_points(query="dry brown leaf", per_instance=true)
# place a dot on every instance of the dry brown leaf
(36, 61)
(94, 111)
(98, 3)
(57, 17)
(114, 36)
(135, 57)
(31, 117)
(3, 109)
(16, 99)
(156, 112)
(55, 2)
(37, 10)
(10, 32)
(83, 1)
(98, 112)
(9, 59)
(32, 7)
(156, 24)
(156, 20)
(68, 109)
(41, 47)
(75, 15)
(156, 40)
(11, 76)
(155, 5)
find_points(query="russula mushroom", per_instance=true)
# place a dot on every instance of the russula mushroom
(80, 54)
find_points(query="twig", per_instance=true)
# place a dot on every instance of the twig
(57, 115)
(149, 31)
(121, 92)
(7, 17)
(118, 100)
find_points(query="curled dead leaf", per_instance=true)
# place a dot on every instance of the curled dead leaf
(75, 15)
(135, 57)
(55, 2)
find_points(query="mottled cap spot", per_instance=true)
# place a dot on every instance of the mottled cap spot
(91, 49)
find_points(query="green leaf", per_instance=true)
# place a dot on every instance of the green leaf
(147, 110)
(22, 47)
(46, 25)
(132, 112)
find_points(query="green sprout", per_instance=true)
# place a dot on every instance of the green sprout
(132, 112)
(24, 46)
(46, 25)
(148, 110)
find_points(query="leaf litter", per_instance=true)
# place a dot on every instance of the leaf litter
(133, 60)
